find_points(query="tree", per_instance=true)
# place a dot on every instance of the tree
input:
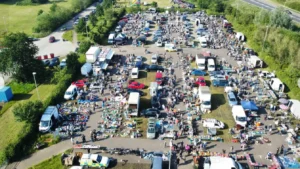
(262, 17)
(28, 112)
(53, 7)
(99, 10)
(60, 75)
(84, 46)
(72, 63)
(81, 26)
(93, 19)
(279, 18)
(17, 58)
(154, 4)
(40, 12)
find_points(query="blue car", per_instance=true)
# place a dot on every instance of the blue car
(232, 99)
(198, 72)
(220, 82)
(139, 64)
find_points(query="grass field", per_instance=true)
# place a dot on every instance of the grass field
(160, 3)
(68, 35)
(22, 18)
(220, 109)
(9, 127)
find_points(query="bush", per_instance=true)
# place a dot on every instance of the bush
(68, 35)
(29, 112)
(21, 88)
(84, 46)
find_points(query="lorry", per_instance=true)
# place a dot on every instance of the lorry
(133, 104)
(92, 54)
(49, 118)
(239, 115)
(219, 162)
(205, 97)
(94, 160)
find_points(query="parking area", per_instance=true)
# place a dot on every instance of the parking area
(185, 82)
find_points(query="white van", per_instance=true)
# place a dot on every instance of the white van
(205, 97)
(239, 115)
(153, 88)
(135, 73)
(170, 48)
(203, 42)
(201, 62)
(134, 103)
(49, 117)
(71, 92)
(211, 66)
(277, 85)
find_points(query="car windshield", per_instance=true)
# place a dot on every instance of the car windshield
(99, 158)
(241, 118)
(44, 123)
(151, 130)
(201, 64)
(134, 73)
(232, 99)
(207, 103)
(211, 65)
(158, 79)
(68, 93)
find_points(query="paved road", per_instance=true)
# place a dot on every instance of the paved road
(60, 48)
(266, 4)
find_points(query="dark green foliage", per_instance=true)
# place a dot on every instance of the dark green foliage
(154, 4)
(73, 64)
(81, 26)
(29, 112)
(84, 46)
(40, 12)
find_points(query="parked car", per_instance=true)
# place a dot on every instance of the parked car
(51, 39)
(94, 160)
(220, 82)
(154, 68)
(135, 85)
(198, 72)
(151, 133)
(231, 99)
(46, 62)
(63, 63)
(154, 59)
(266, 74)
(200, 81)
(139, 58)
(151, 112)
(139, 64)
(135, 90)
(54, 62)
(213, 123)
(79, 83)
(155, 102)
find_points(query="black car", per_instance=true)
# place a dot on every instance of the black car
(135, 90)
(54, 62)
(152, 112)
(155, 102)
(154, 68)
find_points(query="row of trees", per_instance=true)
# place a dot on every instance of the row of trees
(280, 50)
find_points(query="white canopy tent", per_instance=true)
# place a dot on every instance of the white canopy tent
(295, 108)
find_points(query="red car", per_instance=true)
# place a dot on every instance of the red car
(200, 81)
(135, 85)
(159, 78)
(51, 39)
(79, 83)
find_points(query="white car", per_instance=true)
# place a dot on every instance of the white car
(213, 123)
(266, 74)
(96, 86)
(159, 43)
(138, 59)
(154, 59)
(217, 77)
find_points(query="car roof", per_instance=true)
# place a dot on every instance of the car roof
(231, 95)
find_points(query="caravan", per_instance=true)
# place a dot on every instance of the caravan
(239, 115)
(134, 104)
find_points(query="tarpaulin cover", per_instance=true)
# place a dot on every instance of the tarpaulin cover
(288, 162)
(249, 105)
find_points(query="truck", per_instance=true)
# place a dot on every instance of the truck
(49, 118)
(92, 54)
(218, 162)
(94, 160)
(134, 104)
(239, 115)
(205, 97)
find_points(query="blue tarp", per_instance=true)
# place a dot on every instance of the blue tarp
(249, 105)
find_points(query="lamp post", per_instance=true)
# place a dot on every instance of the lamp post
(37, 91)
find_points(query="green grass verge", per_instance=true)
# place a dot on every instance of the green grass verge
(293, 4)
(160, 3)
(9, 127)
(68, 35)
(22, 18)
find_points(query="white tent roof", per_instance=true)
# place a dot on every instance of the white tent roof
(295, 108)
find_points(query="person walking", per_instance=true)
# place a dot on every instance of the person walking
(165, 143)
(171, 143)
(72, 140)
(231, 149)
(89, 150)
(178, 161)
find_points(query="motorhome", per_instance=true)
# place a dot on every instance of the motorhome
(218, 162)
(48, 119)
(211, 66)
(203, 42)
(134, 104)
(239, 115)
(205, 97)
(170, 48)
(201, 62)
(135, 73)
(92, 54)
(276, 85)
(153, 88)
